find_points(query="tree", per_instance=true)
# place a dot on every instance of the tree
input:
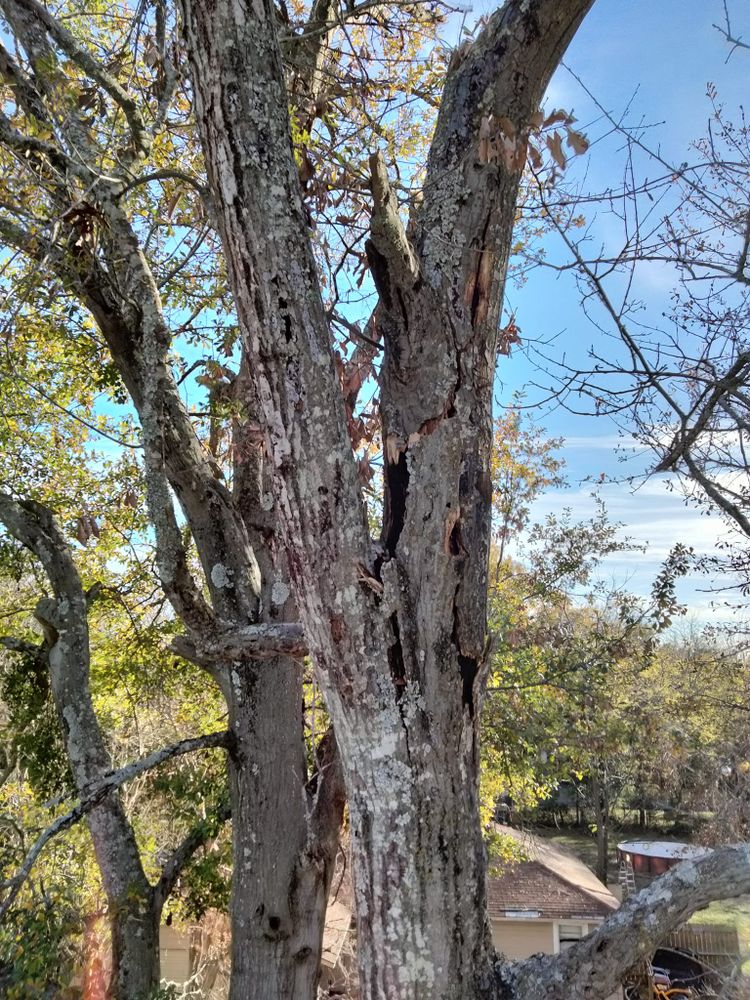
(565, 674)
(83, 211)
(396, 630)
(135, 905)
(523, 466)
(397, 637)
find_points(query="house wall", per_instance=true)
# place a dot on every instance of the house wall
(174, 948)
(521, 938)
(518, 939)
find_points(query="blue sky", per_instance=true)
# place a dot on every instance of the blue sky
(661, 55)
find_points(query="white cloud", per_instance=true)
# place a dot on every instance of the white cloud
(656, 518)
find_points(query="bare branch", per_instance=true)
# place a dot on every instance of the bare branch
(726, 30)
(165, 175)
(95, 795)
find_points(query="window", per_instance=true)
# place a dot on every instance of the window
(570, 934)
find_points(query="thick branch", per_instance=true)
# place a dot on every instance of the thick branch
(307, 53)
(595, 968)
(504, 74)
(27, 146)
(33, 526)
(15, 645)
(256, 642)
(140, 339)
(25, 92)
(93, 69)
(64, 619)
(329, 795)
(175, 575)
(170, 173)
(184, 851)
(393, 263)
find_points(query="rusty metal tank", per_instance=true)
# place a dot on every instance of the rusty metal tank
(654, 857)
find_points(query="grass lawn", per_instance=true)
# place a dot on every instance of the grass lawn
(730, 913)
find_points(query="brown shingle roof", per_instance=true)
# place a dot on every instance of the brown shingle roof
(553, 882)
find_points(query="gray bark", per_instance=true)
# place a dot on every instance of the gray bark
(232, 531)
(282, 859)
(398, 641)
(134, 920)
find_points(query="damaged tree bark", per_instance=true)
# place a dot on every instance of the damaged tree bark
(397, 631)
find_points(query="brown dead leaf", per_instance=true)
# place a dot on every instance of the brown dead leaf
(577, 142)
(554, 144)
(557, 117)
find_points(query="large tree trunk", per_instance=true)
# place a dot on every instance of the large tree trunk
(280, 880)
(398, 638)
(135, 949)
(396, 631)
(419, 872)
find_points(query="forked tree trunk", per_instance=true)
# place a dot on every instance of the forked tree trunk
(398, 639)
(284, 840)
(397, 632)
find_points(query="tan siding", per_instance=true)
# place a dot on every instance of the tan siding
(174, 948)
(521, 938)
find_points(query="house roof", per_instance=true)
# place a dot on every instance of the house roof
(553, 883)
